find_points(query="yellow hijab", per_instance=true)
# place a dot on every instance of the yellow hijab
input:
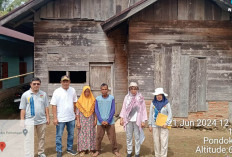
(86, 105)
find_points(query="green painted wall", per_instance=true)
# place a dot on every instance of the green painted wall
(13, 70)
(13, 52)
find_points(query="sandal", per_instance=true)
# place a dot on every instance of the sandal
(82, 153)
(96, 153)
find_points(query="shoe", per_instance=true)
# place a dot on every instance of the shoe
(42, 155)
(59, 154)
(72, 152)
(137, 155)
(129, 155)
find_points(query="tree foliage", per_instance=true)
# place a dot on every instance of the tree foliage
(9, 5)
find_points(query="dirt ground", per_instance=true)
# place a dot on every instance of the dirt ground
(182, 142)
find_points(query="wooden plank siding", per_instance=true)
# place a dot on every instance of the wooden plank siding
(62, 45)
(167, 10)
(183, 46)
(208, 42)
(98, 10)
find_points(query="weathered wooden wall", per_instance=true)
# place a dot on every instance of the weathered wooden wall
(63, 45)
(186, 50)
(98, 10)
(166, 10)
(189, 56)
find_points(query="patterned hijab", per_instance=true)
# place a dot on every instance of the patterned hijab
(86, 105)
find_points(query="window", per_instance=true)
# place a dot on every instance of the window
(55, 76)
(77, 76)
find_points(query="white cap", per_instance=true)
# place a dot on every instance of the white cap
(159, 91)
(133, 84)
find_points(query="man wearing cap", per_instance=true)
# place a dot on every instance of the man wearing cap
(63, 106)
(34, 110)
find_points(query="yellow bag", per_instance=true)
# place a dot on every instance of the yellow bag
(161, 120)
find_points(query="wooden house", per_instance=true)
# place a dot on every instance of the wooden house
(16, 58)
(181, 45)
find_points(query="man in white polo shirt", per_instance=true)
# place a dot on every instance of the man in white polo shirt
(63, 106)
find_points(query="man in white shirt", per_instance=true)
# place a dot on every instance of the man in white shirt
(63, 106)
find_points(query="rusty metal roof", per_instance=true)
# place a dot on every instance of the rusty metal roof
(14, 34)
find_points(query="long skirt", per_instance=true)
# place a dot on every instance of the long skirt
(86, 136)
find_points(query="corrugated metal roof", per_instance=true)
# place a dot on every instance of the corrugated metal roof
(15, 34)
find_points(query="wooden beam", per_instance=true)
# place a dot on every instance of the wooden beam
(24, 20)
(184, 86)
(124, 15)
(175, 77)
(193, 85)
(230, 112)
(201, 86)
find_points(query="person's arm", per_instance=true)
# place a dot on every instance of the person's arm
(22, 114)
(54, 112)
(74, 107)
(54, 108)
(47, 115)
(22, 107)
(144, 113)
(95, 120)
(112, 111)
(150, 117)
(123, 112)
(74, 101)
(169, 119)
(78, 118)
(47, 109)
(98, 113)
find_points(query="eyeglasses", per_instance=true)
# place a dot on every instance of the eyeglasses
(34, 84)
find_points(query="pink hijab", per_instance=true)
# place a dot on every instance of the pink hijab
(131, 102)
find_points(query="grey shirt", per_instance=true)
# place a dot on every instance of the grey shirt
(165, 110)
(40, 104)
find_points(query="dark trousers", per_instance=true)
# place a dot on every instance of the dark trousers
(110, 130)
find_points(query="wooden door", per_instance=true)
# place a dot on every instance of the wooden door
(101, 73)
(4, 72)
(22, 70)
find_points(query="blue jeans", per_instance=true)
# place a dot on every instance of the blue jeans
(59, 133)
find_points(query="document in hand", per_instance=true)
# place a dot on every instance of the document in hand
(161, 120)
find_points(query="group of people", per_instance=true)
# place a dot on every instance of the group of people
(87, 112)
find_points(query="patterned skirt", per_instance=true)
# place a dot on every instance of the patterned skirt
(86, 135)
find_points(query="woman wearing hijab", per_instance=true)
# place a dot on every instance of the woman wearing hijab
(86, 122)
(161, 105)
(133, 116)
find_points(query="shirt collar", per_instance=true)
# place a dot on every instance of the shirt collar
(65, 89)
(105, 97)
(33, 93)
